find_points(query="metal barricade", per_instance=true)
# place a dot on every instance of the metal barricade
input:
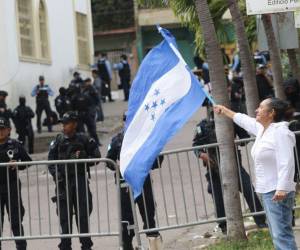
(180, 193)
(82, 191)
(183, 189)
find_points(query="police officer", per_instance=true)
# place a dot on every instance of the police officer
(105, 73)
(75, 84)
(4, 110)
(10, 186)
(147, 212)
(42, 91)
(22, 116)
(98, 86)
(72, 180)
(62, 102)
(85, 102)
(124, 74)
(205, 134)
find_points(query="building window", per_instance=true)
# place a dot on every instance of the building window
(83, 39)
(44, 43)
(26, 30)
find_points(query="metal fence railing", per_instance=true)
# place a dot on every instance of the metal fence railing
(181, 192)
(81, 191)
(187, 193)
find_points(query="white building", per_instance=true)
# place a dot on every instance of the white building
(43, 37)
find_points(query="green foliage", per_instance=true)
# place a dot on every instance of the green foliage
(297, 211)
(112, 14)
(259, 240)
(152, 4)
(185, 10)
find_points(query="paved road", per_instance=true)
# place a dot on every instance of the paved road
(188, 182)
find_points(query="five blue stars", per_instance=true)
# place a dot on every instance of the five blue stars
(154, 105)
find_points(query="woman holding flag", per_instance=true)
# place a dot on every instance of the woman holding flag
(273, 155)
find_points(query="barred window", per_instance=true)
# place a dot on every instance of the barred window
(44, 44)
(26, 30)
(83, 39)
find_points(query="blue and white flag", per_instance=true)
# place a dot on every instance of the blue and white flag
(164, 95)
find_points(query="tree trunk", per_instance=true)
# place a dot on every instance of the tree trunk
(275, 57)
(294, 63)
(224, 127)
(247, 63)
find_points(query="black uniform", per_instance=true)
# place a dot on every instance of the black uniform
(42, 104)
(5, 111)
(205, 134)
(62, 104)
(104, 75)
(85, 102)
(124, 74)
(10, 191)
(147, 212)
(66, 188)
(22, 116)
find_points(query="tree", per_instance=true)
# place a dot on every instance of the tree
(275, 56)
(292, 55)
(224, 128)
(112, 14)
(248, 69)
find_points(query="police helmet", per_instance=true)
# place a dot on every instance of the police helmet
(4, 123)
(3, 93)
(69, 116)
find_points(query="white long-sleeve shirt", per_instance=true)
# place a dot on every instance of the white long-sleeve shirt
(273, 154)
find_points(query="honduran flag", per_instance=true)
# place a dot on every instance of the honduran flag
(164, 95)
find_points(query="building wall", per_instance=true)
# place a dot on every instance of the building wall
(114, 42)
(19, 76)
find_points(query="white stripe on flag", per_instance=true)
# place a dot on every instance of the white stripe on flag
(174, 85)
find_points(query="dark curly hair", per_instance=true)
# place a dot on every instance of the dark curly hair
(282, 109)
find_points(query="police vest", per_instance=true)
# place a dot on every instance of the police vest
(103, 71)
(42, 93)
(124, 73)
(67, 149)
(10, 147)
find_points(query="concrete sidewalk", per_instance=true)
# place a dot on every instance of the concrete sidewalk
(113, 112)
(199, 237)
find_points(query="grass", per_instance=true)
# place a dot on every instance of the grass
(259, 240)
(297, 211)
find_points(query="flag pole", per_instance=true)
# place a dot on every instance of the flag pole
(177, 53)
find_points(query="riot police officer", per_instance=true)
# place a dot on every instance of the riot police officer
(205, 134)
(72, 184)
(146, 209)
(85, 102)
(4, 110)
(22, 116)
(10, 186)
(62, 102)
(42, 92)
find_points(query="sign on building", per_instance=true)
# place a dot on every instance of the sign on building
(284, 29)
(256, 7)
